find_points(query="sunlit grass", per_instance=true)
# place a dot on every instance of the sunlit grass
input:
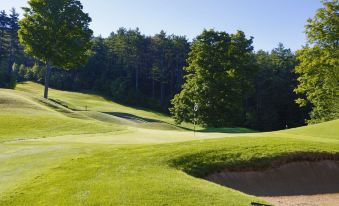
(22, 118)
(89, 158)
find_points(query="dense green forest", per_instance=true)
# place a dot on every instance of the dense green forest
(10, 50)
(230, 83)
(127, 66)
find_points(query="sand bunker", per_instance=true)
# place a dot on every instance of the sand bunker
(297, 183)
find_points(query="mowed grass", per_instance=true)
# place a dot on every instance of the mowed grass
(155, 174)
(21, 117)
(325, 130)
(138, 166)
(92, 102)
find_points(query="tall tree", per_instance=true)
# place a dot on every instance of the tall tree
(9, 47)
(272, 105)
(13, 38)
(161, 52)
(4, 20)
(89, 77)
(319, 64)
(219, 71)
(57, 33)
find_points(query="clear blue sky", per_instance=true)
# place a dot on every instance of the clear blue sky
(268, 21)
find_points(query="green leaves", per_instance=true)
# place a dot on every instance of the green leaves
(272, 104)
(56, 31)
(323, 29)
(219, 68)
(319, 65)
(319, 81)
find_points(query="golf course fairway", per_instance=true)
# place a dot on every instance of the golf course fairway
(83, 149)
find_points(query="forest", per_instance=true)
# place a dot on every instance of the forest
(231, 83)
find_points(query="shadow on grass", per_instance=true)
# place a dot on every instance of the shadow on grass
(228, 130)
(138, 119)
(133, 118)
(95, 93)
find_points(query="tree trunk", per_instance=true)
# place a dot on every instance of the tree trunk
(153, 86)
(177, 75)
(162, 93)
(10, 56)
(47, 76)
(1, 38)
(137, 79)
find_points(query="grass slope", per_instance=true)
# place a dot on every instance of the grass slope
(21, 117)
(324, 130)
(93, 102)
(130, 166)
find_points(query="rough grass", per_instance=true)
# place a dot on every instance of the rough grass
(134, 166)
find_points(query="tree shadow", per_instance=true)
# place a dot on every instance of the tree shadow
(227, 130)
(133, 118)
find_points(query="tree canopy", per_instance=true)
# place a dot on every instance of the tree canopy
(319, 64)
(219, 72)
(271, 106)
(10, 49)
(56, 32)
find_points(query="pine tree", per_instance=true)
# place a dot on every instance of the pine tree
(13, 24)
(4, 21)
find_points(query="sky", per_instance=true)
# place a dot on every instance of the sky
(268, 21)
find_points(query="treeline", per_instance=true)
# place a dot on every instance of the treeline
(271, 105)
(10, 49)
(127, 66)
(229, 84)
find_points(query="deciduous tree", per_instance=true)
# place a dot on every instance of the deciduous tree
(57, 33)
(319, 64)
(220, 66)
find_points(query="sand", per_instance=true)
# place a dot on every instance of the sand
(303, 183)
(305, 200)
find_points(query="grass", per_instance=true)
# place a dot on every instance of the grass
(325, 130)
(93, 102)
(108, 162)
(21, 117)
